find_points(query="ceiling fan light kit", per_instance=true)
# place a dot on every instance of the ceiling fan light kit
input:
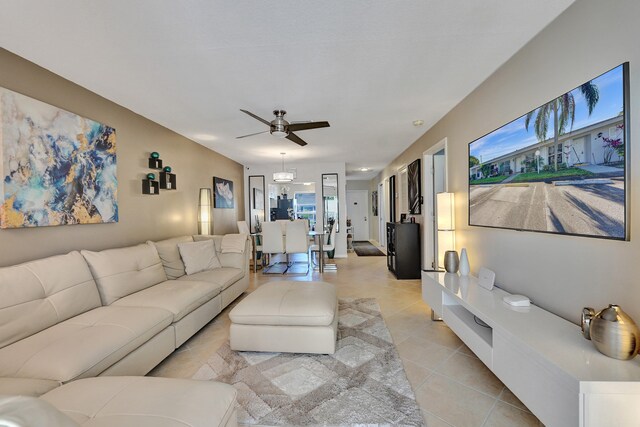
(280, 128)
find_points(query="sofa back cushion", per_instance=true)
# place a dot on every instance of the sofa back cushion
(234, 260)
(38, 294)
(170, 255)
(123, 271)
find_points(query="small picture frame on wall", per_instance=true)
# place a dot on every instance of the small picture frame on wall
(223, 193)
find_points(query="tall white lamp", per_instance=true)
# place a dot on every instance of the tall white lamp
(204, 212)
(445, 204)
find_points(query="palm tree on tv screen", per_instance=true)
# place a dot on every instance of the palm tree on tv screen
(563, 109)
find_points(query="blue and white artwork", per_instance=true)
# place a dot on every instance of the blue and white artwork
(56, 167)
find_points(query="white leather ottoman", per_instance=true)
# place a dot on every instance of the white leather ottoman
(287, 316)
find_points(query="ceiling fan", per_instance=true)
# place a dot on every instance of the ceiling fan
(281, 128)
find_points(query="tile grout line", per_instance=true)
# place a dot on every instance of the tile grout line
(486, 418)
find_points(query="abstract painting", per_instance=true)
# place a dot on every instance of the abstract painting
(374, 203)
(223, 193)
(413, 178)
(56, 168)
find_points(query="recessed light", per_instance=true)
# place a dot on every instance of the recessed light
(418, 122)
(307, 183)
(205, 137)
(364, 169)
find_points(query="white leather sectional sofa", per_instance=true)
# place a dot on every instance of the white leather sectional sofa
(117, 312)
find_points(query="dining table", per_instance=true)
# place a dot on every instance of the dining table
(315, 234)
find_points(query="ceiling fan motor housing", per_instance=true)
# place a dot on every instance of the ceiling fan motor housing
(279, 125)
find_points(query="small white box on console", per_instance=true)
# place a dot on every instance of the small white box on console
(486, 278)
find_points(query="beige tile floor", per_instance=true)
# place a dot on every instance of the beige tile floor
(452, 386)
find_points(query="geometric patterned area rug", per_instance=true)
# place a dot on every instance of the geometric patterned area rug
(363, 383)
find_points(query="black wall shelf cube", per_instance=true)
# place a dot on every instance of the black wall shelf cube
(155, 163)
(168, 181)
(150, 186)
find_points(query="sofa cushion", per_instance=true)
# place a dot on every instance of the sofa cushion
(235, 260)
(198, 256)
(26, 386)
(178, 297)
(233, 243)
(224, 276)
(145, 401)
(170, 255)
(123, 271)
(84, 345)
(39, 294)
(26, 411)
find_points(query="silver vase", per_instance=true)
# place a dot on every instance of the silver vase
(613, 332)
(451, 261)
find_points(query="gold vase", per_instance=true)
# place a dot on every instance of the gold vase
(613, 332)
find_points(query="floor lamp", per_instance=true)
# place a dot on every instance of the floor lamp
(446, 225)
(204, 212)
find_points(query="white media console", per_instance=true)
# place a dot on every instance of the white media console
(542, 358)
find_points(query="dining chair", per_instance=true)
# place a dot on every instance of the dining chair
(297, 241)
(328, 246)
(272, 243)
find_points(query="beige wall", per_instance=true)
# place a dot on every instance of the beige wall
(560, 273)
(142, 217)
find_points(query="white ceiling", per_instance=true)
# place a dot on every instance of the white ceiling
(368, 67)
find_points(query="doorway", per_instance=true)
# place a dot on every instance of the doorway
(358, 212)
(435, 181)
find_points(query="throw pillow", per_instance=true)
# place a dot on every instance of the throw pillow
(198, 256)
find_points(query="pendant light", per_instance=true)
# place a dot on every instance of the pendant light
(283, 176)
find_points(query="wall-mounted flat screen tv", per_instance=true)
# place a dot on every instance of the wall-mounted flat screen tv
(562, 168)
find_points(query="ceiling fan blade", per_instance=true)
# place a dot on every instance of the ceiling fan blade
(256, 117)
(251, 134)
(295, 138)
(295, 127)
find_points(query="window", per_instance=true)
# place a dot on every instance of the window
(551, 152)
(304, 207)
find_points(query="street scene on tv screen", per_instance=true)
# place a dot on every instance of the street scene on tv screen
(559, 168)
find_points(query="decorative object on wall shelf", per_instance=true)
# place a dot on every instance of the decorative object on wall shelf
(613, 332)
(223, 193)
(155, 162)
(204, 212)
(464, 263)
(167, 179)
(56, 167)
(451, 261)
(414, 188)
(150, 185)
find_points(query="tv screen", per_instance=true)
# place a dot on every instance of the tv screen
(561, 168)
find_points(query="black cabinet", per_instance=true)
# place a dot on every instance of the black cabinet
(403, 250)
